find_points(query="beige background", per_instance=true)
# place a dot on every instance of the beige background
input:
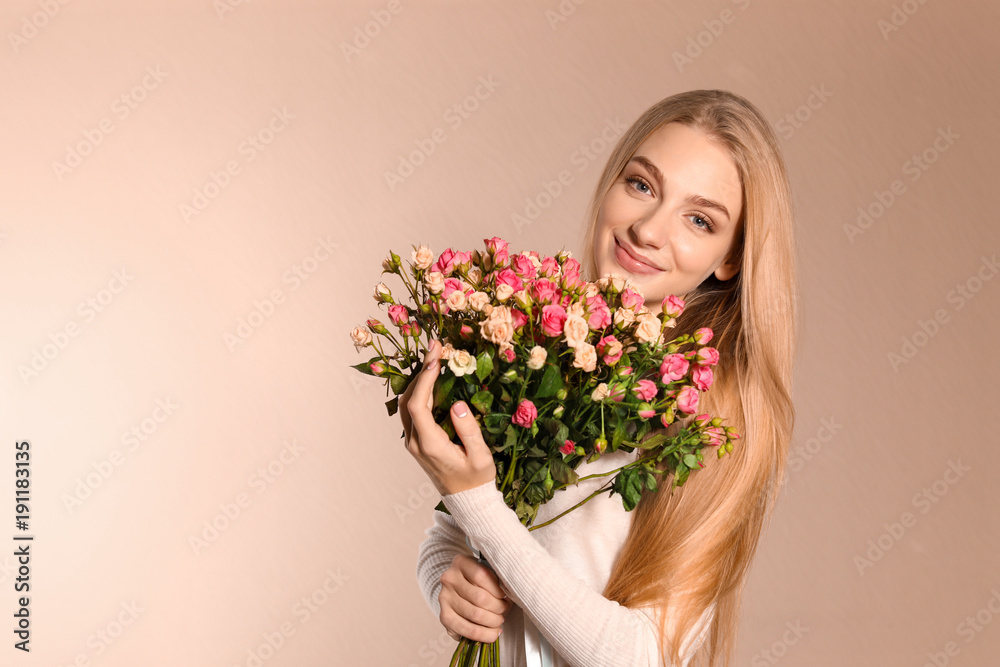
(338, 518)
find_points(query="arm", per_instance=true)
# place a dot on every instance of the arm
(444, 541)
(584, 627)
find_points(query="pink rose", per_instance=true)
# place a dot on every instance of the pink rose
(674, 367)
(610, 350)
(687, 400)
(672, 306)
(525, 414)
(703, 335)
(498, 248)
(450, 285)
(708, 356)
(508, 355)
(462, 259)
(553, 318)
(549, 268)
(631, 299)
(598, 313)
(646, 412)
(517, 318)
(645, 390)
(544, 290)
(567, 447)
(716, 436)
(616, 392)
(465, 332)
(702, 376)
(399, 314)
(445, 263)
(571, 280)
(523, 266)
(508, 277)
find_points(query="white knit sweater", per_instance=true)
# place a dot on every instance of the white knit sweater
(555, 574)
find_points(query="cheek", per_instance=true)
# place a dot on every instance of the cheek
(691, 257)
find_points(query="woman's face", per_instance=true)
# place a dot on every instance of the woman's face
(669, 220)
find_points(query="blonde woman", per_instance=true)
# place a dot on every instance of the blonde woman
(694, 202)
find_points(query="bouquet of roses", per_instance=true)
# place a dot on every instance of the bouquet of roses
(558, 371)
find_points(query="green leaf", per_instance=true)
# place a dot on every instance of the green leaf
(483, 400)
(691, 461)
(484, 364)
(650, 481)
(551, 383)
(496, 422)
(629, 485)
(365, 367)
(442, 388)
(398, 383)
(392, 405)
(562, 473)
(511, 434)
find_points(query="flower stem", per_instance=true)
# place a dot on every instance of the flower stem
(595, 493)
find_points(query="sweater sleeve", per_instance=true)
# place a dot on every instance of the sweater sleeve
(583, 626)
(443, 542)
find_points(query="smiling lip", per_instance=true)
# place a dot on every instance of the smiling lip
(633, 261)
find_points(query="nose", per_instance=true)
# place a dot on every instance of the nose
(652, 231)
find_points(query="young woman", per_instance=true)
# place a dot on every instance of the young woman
(694, 201)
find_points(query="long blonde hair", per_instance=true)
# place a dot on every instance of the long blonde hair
(692, 547)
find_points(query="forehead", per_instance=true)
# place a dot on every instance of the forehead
(690, 160)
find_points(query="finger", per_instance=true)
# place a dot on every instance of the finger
(480, 576)
(476, 613)
(404, 402)
(469, 630)
(420, 402)
(471, 435)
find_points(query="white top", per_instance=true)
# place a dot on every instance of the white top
(554, 574)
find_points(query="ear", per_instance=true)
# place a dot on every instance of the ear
(727, 269)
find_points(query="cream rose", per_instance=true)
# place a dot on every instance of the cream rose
(434, 281)
(624, 316)
(576, 308)
(447, 350)
(462, 363)
(477, 300)
(456, 300)
(499, 326)
(381, 290)
(476, 275)
(585, 357)
(504, 291)
(600, 392)
(361, 337)
(648, 329)
(537, 358)
(575, 330)
(423, 257)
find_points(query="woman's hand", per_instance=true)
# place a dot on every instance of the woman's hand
(472, 602)
(452, 468)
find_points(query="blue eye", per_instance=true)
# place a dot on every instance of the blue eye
(708, 223)
(635, 179)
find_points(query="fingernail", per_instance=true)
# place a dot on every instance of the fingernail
(460, 409)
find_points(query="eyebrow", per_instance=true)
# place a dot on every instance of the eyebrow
(697, 200)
